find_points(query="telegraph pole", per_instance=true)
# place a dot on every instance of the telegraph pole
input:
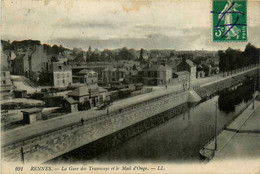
(254, 96)
(216, 122)
(189, 78)
(22, 155)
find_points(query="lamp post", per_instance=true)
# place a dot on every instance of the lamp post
(22, 155)
(108, 104)
(216, 122)
(189, 78)
(254, 96)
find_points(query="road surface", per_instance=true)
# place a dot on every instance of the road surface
(41, 126)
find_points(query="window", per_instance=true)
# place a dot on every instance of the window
(3, 74)
(68, 74)
(58, 75)
(4, 82)
(63, 75)
(161, 74)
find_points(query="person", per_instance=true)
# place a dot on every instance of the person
(82, 121)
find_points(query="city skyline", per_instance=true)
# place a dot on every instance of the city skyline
(117, 24)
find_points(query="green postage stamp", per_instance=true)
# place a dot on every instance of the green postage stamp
(229, 20)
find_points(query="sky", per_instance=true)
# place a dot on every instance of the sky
(170, 24)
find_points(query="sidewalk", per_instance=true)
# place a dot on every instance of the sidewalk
(240, 139)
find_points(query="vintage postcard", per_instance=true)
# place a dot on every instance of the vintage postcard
(130, 86)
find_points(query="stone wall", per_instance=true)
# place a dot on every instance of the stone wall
(55, 143)
(220, 85)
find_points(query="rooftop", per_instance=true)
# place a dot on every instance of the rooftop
(181, 72)
(190, 62)
(31, 110)
(21, 56)
(81, 91)
(71, 100)
(86, 71)
(60, 67)
(156, 67)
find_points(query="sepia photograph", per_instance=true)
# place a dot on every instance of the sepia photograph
(130, 86)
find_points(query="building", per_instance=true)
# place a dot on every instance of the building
(114, 74)
(37, 62)
(30, 63)
(157, 74)
(135, 76)
(70, 105)
(98, 67)
(6, 84)
(162, 61)
(86, 76)
(5, 59)
(88, 96)
(20, 65)
(182, 76)
(188, 65)
(20, 93)
(62, 75)
(53, 101)
(173, 62)
(31, 115)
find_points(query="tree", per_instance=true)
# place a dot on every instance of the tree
(94, 57)
(251, 54)
(172, 54)
(54, 59)
(222, 61)
(124, 54)
(55, 49)
(141, 54)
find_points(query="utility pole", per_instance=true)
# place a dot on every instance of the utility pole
(254, 96)
(22, 155)
(189, 116)
(216, 122)
(189, 78)
(107, 110)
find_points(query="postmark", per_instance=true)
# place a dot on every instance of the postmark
(229, 19)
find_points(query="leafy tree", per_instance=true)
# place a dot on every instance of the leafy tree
(222, 61)
(94, 57)
(124, 54)
(141, 54)
(54, 59)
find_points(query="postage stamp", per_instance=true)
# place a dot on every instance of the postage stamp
(229, 20)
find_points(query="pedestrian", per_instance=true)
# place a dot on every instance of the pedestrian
(82, 121)
(166, 86)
